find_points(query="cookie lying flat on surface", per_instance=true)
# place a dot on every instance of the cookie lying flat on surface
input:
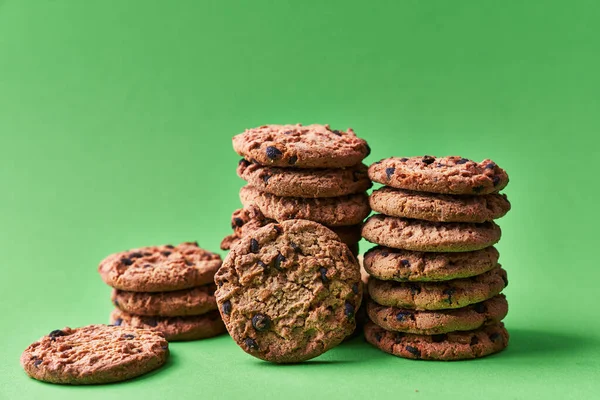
(94, 354)
(438, 295)
(451, 175)
(445, 347)
(173, 328)
(311, 146)
(386, 263)
(441, 321)
(289, 291)
(160, 268)
(411, 234)
(331, 211)
(178, 303)
(439, 207)
(287, 182)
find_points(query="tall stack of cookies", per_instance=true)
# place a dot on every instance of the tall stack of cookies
(168, 288)
(435, 283)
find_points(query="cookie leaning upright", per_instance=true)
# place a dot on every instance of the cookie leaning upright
(289, 291)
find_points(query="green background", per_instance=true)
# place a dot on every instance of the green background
(116, 120)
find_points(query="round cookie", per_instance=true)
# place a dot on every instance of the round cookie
(94, 354)
(178, 303)
(437, 322)
(386, 263)
(445, 347)
(289, 291)
(411, 234)
(173, 328)
(310, 183)
(438, 207)
(311, 146)
(331, 211)
(160, 268)
(450, 175)
(438, 295)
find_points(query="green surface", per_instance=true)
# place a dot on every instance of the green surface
(115, 123)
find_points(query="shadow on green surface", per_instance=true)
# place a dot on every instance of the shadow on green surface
(531, 342)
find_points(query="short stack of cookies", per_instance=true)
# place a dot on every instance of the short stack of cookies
(435, 283)
(167, 288)
(302, 172)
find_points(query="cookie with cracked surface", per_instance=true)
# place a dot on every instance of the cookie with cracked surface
(439, 295)
(450, 175)
(417, 235)
(289, 291)
(331, 211)
(431, 322)
(310, 183)
(311, 146)
(94, 354)
(177, 303)
(438, 207)
(444, 347)
(160, 268)
(192, 327)
(386, 263)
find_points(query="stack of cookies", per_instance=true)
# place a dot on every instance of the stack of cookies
(165, 288)
(435, 284)
(302, 172)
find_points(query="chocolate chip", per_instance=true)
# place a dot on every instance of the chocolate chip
(262, 265)
(288, 132)
(261, 322)
(414, 351)
(385, 253)
(128, 336)
(273, 152)
(237, 222)
(164, 347)
(478, 189)
(278, 228)
(336, 132)
(405, 263)
(403, 159)
(323, 272)
(251, 344)
(116, 302)
(254, 246)
(295, 247)
(494, 336)
(278, 260)
(428, 160)
(355, 288)
(126, 261)
(378, 336)
(496, 180)
(463, 161)
(389, 172)
(56, 333)
(266, 178)
(368, 150)
(244, 162)
(349, 310)
(36, 361)
(474, 340)
(449, 292)
(226, 307)
(118, 322)
(440, 165)
(135, 255)
(292, 160)
(195, 244)
(438, 338)
(414, 288)
(480, 308)
(490, 165)
(165, 253)
(403, 316)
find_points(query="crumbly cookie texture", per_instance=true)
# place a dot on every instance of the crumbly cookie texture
(331, 211)
(411, 234)
(439, 207)
(94, 354)
(386, 263)
(160, 268)
(289, 291)
(444, 347)
(440, 321)
(456, 293)
(298, 146)
(450, 175)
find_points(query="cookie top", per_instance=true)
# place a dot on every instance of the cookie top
(94, 354)
(178, 303)
(331, 211)
(160, 268)
(441, 321)
(289, 291)
(456, 293)
(439, 207)
(451, 175)
(412, 234)
(311, 146)
(174, 328)
(445, 347)
(311, 183)
(387, 264)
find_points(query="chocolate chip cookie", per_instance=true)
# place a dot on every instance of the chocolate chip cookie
(94, 354)
(444, 347)
(160, 268)
(311, 146)
(173, 328)
(411, 234)
(331, 211)
(439, 207)
(450, 175)
(438, 295)
(289, 291)
(436, 322)
(385, 263)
